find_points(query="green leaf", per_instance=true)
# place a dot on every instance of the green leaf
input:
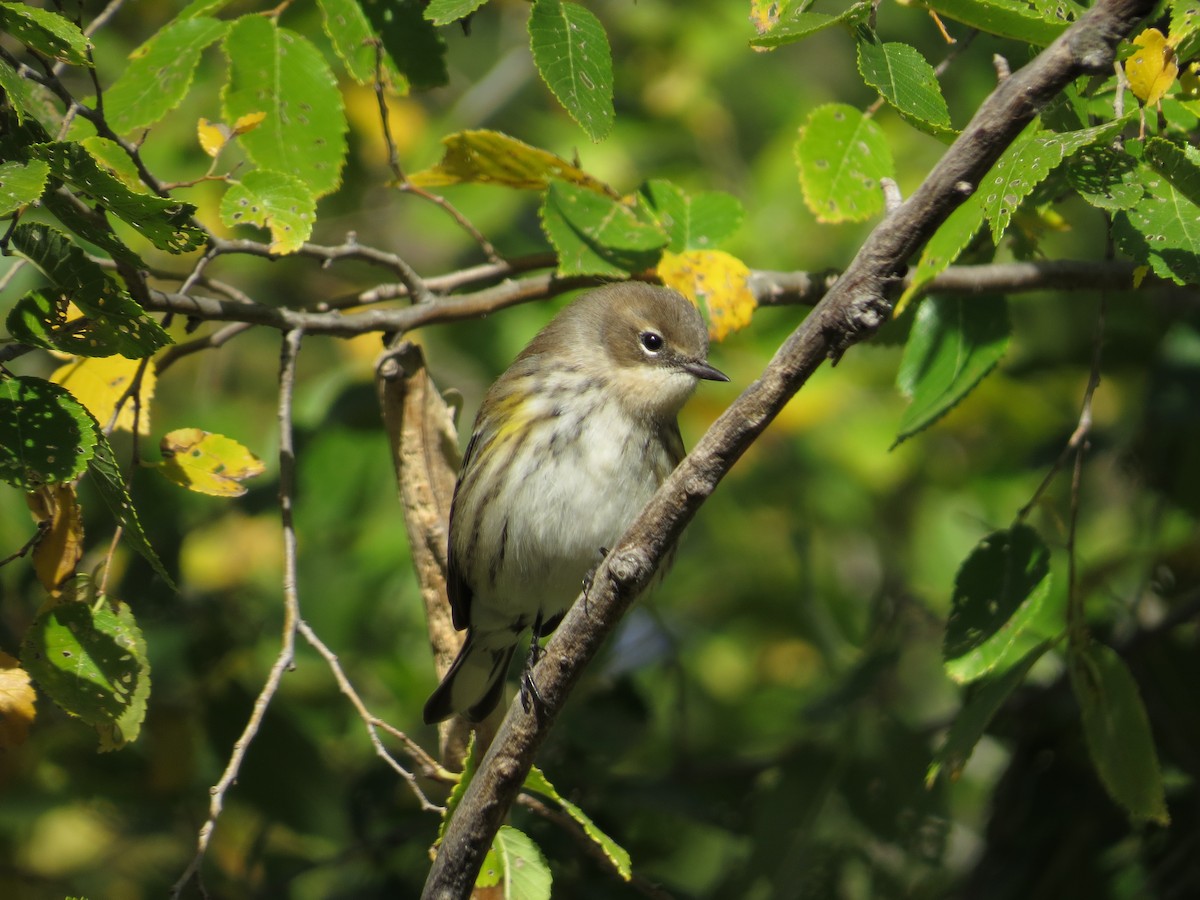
(46, 32)
(1021, 168)
(954, 344)
(1106, 178)
(998, 594)
(986, 698)
(517, 866)
(162, 221)
(1163, 230)
(159, 73)
(842, 155)
(571, 52)
(277, 72)
(203, 8)
(470, 763)
(109, 155)
(490, 157)
(1117, 730)
(906, 79)
(355, 41)
(85, 284)
(947, 244)
(1178, 163)
(597, 235)
(13, 86)
(537, 782)
(443, 12)
(92, 663)
(412, 42)
(40, 319)
(801, 24)
(1006, 18)
(46, 436)
(21, 184)
(92, 229)
(110, 485)
(693, 222)
(272, 200)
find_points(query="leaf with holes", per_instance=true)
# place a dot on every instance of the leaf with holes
(46, 32)
(1021, 168)
(272, 200)
(571, 52)
(597, 235)
(100, 383)
(207, 463)
(907, 81)
(159, 73)
(275, 71)
(356, 43)
(515, 866)
(955, 343)
(46, 436)
(694, 222)
(1163, 230)
(21, 184)
(717, 280)
(1152, 68)
(842, 156)
(489, 157)
(1107, 178)
(412, 42)
(1179, 163)
(60, 546)
(800, 24)
(42, 319)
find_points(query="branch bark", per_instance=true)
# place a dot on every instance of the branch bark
(852, 309)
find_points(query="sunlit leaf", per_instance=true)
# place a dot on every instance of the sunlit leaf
(801, 23)
(273, 200)
(906, 79)
(1151, 69)
(17, 703)
(443, 12)
(694, 222)
(1006, 18)
(842, 156)
(718, 280)
(951, 239)
(47, 436)
(112, 157)
(1022, 167)
(1163, 229)
(537, 782)
(207, 463)
(571, 52)
(46, 32)
(489, 157)
(1179, 163)
(597, 235)
(355, 41)
(21, 184)
(100, 383)
(521, 867)
(1107, 178)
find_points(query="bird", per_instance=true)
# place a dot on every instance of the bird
(569, 444)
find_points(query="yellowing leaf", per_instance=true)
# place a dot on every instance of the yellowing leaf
(16, 702)
(208, 463)
(248, 122)
(61, 545)
(98, 383)
(1152, 69)
(213, 136)
(489, 157)
(1189, 81)
(722, 281)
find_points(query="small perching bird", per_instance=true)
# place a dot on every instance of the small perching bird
(569, 445)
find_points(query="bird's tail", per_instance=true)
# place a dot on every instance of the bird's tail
(474, 683)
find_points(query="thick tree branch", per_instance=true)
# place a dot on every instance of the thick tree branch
(854, 307)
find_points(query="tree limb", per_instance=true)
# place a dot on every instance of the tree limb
(853, 308)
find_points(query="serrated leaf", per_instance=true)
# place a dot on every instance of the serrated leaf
(203, 8)
(907, 81)
(17, 703)
(1006, 18)
(46, 32)
(842, 155)
(986, 699)
(470, 763)
(1152, 68)
(21, 184)
(1117, 730)
(537, 782)
(413, 43)
(110, 485)
(998, 593)
(1185, 28)
(162, 221)
(120, 322)
(801, 24)
(60, 546)
(1106, 178)
(99, 383)
(765, 14)
(718, 280)
(159, 73)
(955, 343)
(571, 52)
(1178, 163)
(109, 155)
(42, 319)
(46, 436)
(356, 43)
(1021, 168)
(696, 222)
(272, 200)
(275, 71)
(946, 245)
(443, 12)
(523, 871)
(91, 229)
(597, 235)
(207, 463)
(489, 157)
(1162, 229)
(13, 86)
(92, 663)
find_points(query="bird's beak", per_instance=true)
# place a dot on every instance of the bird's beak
(701, 369)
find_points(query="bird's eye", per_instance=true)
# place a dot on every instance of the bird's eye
(651, 340)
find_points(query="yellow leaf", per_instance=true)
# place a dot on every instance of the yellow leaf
(61, 545)
(1189, 81)
(489, 157)
(764, 15)
(1152, 69)
(248, 122)
(213, 136)
(16, 702)
(1139, 275)
(98, 383)
(208, 463)
(722, 281)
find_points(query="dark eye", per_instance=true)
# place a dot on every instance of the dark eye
(651, 340)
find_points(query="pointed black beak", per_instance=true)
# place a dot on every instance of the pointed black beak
(701, 369)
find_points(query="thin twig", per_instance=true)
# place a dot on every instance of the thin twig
(291, 610)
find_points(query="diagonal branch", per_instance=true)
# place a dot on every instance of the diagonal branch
(854, 307)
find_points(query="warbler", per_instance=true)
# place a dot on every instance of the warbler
(569, 445)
